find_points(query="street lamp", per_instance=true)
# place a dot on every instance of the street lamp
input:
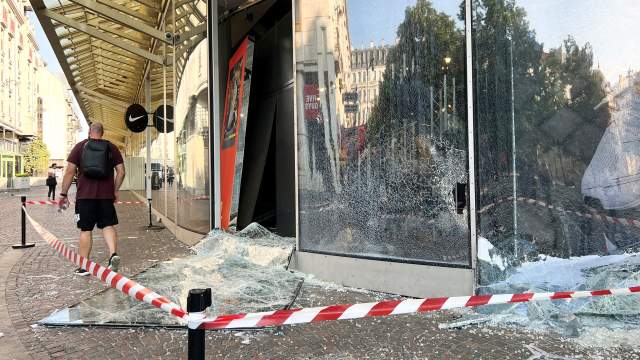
(513, 151)
(445, 68)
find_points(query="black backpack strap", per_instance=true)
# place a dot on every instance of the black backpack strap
(84, 147)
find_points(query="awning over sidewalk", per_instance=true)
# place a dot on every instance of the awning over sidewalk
(107, 47)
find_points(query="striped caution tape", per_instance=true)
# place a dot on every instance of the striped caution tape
(386, 308)
(55, 202)
(600, 217)
(107, 276)
(305, 315)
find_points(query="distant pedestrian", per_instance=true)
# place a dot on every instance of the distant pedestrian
(52, 182)
(97, 190)
(170, 177)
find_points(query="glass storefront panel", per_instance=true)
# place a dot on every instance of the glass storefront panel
(557, 109)
(191, 166)
(381, 127)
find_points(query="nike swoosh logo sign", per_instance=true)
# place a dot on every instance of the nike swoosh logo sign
(163, 119)
(132, 119)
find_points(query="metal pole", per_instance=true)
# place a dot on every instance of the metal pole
(453, 96)
(513, 157)
(214, 108)
(431, 108)
(23, 200)
(147, 105)
(147, 95)
(440, 114)
(446, 108)
(165, 171)
(23, 244)
(198, 301)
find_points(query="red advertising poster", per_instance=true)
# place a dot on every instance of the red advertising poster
(312, 103)
(233, 128)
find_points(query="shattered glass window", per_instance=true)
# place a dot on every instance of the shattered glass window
(382, 159)
(557, 107)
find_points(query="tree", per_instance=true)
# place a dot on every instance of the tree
(415, 70)
(36, 158)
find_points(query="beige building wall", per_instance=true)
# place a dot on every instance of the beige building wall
(367, 70)
(60, 123)
(19, 68)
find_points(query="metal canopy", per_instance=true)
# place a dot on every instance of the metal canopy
(107, 47)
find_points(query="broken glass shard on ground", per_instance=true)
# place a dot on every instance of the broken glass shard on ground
(245, 271)
(576, 318)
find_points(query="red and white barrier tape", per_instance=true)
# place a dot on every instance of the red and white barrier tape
(55, 202)
(111, 278)
(385, 308)
(604, 218)
(305, 315)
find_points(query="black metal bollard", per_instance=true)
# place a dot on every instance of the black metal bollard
(198, 301)
(23, 244)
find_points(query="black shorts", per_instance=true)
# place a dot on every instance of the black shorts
(92, 212)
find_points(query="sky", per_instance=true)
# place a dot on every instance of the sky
(611, 26)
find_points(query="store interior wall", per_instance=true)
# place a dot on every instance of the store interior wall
(267, 193)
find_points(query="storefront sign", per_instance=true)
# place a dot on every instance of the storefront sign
(350, 96)
(135, 118)
(312, 103)
(159, 119)
(351, 109)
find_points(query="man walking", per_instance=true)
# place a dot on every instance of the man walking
(97, 190)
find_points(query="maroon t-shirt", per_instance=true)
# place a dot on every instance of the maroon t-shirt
(94, 188)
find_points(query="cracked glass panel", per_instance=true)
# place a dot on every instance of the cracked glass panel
(382, 146)
(191, 171)
(557, 109)
(558, 132)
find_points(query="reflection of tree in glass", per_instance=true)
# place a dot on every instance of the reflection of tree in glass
(415, 72)
(553, 103)
(421, 105)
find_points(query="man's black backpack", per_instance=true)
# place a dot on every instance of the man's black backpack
(96, 159)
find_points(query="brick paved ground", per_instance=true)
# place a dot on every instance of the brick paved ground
(39, 282)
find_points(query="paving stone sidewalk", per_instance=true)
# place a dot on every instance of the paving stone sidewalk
(40, 282)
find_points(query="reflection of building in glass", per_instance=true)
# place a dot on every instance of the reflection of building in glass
(367, 70)
(322, 62)
(613, 175)
(192, 137)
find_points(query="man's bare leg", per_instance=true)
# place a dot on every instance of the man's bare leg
(111, 238)
(86, 242)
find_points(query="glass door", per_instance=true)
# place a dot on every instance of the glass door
(9, 171)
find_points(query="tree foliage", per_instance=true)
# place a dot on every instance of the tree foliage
(517, 80)
(415, 70)
(36, 158)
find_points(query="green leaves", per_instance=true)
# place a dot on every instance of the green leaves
(36, 158)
